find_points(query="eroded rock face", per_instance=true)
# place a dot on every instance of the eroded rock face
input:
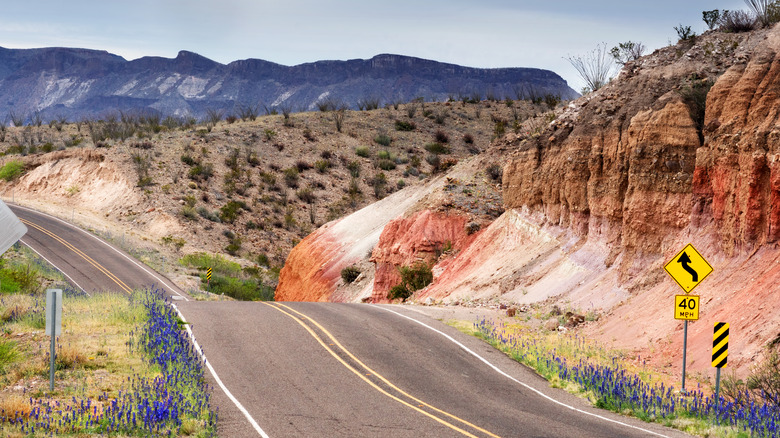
(419, 238)
(737, 178)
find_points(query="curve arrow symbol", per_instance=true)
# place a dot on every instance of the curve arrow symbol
(685, 261)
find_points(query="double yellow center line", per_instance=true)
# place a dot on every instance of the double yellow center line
(432, 412)
(124, 287)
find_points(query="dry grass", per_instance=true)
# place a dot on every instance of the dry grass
(92, 356)
(14, 407)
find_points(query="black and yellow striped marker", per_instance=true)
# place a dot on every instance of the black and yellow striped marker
(720, 345)
(208, 274)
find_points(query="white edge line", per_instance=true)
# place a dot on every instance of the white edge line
(55, 267)
(219, 381)
(498, 370)
(135, 262)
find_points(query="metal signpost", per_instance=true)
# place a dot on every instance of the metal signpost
(53, 326)
(688, 268)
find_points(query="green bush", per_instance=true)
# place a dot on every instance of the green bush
(230, 211)
(413, 278)
(322, 166)
(354, 168)
(362, 152)
(386, 165)
(437, 148)
(218, 263)
(383, 140)
(401, 125)
(11, 170)
(245, 290)
(291, 177)
(350, 274)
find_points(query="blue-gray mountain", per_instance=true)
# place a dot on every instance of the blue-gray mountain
(81, 83)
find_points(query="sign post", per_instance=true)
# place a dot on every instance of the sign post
(720, 353)
(53, 326)
(688, 268)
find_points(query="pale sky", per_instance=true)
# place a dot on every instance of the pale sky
(475, 33)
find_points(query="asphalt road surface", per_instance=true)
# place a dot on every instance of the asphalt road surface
(89, 263)
(343, 370)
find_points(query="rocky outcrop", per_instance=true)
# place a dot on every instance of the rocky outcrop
(420, 238)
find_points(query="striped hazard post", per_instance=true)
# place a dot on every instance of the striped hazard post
(720, 351)
(208, 278)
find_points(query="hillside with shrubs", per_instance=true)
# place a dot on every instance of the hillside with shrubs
(243, 185)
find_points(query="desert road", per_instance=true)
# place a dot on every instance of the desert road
(343, 370)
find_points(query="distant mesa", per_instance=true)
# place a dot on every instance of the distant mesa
(83, 83)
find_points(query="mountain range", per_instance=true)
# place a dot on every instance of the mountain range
(81, 83)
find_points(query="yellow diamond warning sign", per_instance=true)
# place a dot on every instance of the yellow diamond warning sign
(688, 268)
(686, 307)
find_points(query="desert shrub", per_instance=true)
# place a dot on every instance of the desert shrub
(354, 168)
(245, 290)
(383, 155)
(248, 112)
(291, 176)
(368, 103)
(218, 263)
(594, 68)
(762, 384)
(401, 125)
(383, 139)
(495, 172)
(234, 245)
(230, 211)
(379, 182)
(737, 21)
(322, 166)
(413, 278)
(209, 215)
(440, 117)
(766, 12)
(468, 138)
(189, 213)
(685, 34)
(302, 165)
(624, 53)
(201, 172)
(362, 151)
(188, 160)
(306, 195)
(441, 136)
(338, 117)
(437, 148)
(386, 164)
(11, 170)
(401, 184)
(434, 161)
(143, 164)
(711, 18)
(695, 97)
(350, 274)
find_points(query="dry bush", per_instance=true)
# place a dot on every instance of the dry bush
(69, 356)
(13, 407)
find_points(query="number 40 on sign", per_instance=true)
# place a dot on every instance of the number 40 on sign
(686, 307)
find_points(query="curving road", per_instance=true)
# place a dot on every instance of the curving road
(351, 370)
